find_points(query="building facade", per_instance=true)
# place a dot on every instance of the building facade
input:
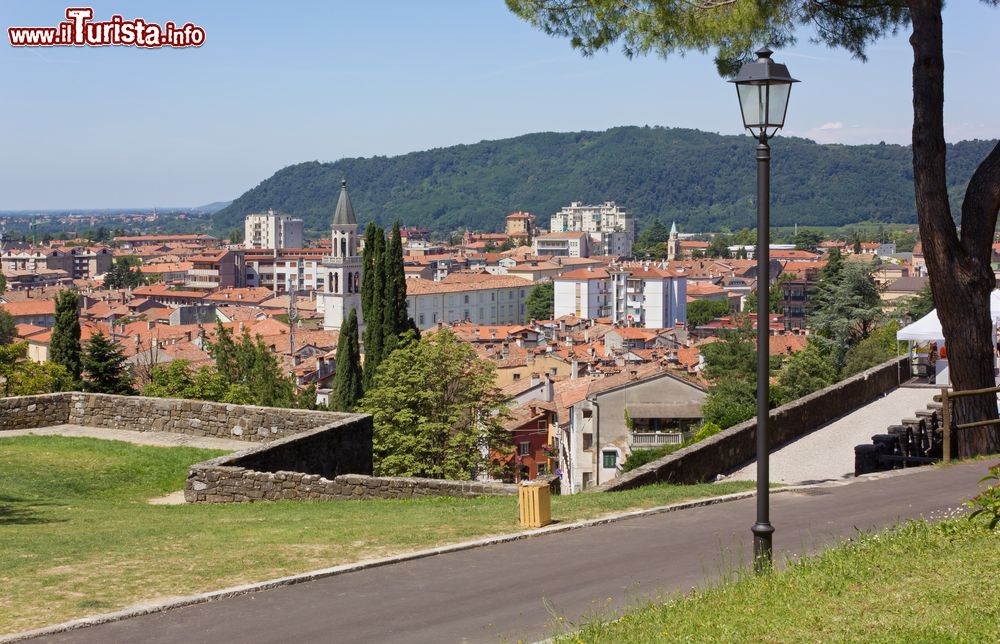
(481, 299)
(272, 231)
(521, 227)
(638, 294)
(563, 244)
(611, 228)
(594, 441)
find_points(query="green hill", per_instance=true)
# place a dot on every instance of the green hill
(705, 181)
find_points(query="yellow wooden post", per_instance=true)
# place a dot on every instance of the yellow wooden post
(946, 426)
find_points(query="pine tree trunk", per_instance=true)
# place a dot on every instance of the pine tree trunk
(960, 273)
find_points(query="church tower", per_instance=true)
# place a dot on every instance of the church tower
(341, 270)
(673, 243)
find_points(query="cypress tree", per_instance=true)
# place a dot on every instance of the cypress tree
(394, 320)
(104, 364)
(347, 382)
(64, 347)
(373, 317)
(367, 269)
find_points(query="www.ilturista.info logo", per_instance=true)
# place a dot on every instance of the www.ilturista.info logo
(79, 30)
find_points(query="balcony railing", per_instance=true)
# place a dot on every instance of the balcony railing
(655, 439)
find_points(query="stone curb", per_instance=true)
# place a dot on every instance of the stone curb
(235, 591)
(322, 573)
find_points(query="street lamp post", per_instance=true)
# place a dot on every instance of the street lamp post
(763, 87)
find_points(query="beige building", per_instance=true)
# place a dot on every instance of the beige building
(480, 298)
(521, 226)
(273, 231)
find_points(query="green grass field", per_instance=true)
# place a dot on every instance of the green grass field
(919, 583)
(78, 536)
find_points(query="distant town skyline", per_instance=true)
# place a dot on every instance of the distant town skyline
(277, 84)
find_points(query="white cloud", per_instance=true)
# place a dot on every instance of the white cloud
(835, 125)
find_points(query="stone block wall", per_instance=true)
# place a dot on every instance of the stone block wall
(27, 412)
(737, 445)
(331, 463)
(221, 484)
(194, 417)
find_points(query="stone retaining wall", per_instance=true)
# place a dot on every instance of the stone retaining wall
(27, 412)
(736, 446)
(222, 484)
(292, 454)
(194, 417)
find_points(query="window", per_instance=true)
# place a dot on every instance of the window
(517, 376)
(610, 459)
(466, 299)
(588, 441)
(421, 319)
(543, 468)
(525, 448)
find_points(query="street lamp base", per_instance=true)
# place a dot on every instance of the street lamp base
(762, 550)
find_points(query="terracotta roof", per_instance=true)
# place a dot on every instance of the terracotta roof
(248, 295)
(30, 307)
(479, 282)
(584, 274)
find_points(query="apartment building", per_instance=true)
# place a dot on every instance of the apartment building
(520, 226)
(216, 269)
(611, 228)
(563, 244)
(635, 294)
(78, 262)
(290, 269)
(480, 298)
(270, 230)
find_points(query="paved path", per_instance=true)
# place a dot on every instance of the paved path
(510, 591)
(160, 439)
(828, 453)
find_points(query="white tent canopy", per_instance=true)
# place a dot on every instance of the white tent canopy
(928, 328)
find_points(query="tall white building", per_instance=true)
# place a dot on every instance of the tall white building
(341, 271)
(611, 228)
(635, 294)
(272, 231)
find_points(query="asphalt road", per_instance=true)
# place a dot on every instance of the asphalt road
(518, 590)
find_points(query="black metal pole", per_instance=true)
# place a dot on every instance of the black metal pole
(762, 529)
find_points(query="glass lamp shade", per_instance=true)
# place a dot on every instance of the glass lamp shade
(763, 87)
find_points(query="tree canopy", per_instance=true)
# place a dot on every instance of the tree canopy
(703, 180)
(64, 347)
(436, 410)
(541, 301)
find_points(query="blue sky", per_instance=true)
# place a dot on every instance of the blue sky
(282, 82)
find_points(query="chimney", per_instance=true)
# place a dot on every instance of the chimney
(505, 350)
(574, 367)
(549, 392)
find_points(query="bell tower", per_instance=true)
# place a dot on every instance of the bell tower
(341, 270)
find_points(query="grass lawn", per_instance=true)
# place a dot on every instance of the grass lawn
(919, 583)
(77, 535)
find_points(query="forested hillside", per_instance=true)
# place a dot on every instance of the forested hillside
(705, 181)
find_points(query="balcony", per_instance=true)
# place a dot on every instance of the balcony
(204, 272)
(644, 440)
